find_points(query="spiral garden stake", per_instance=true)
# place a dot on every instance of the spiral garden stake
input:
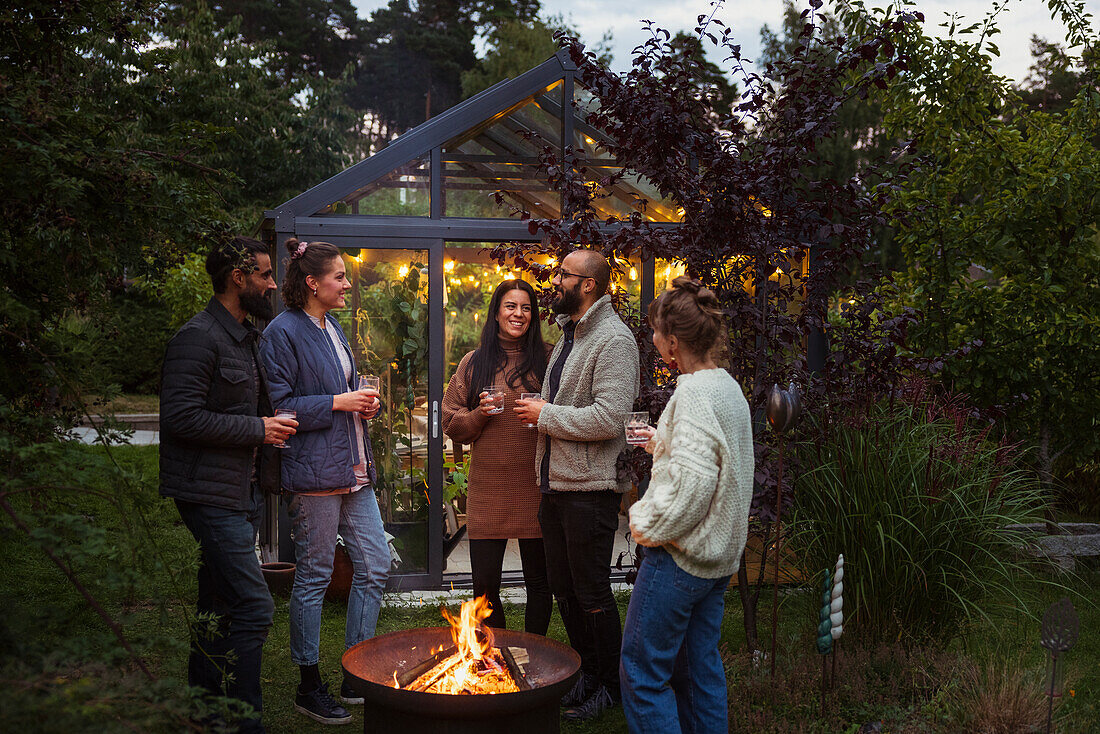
(836, 610)
(783, 409)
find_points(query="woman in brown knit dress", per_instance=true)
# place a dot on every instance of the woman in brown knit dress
(503, 499)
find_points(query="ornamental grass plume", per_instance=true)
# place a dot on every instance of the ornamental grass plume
(918, 502)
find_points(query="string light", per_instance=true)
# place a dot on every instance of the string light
(633, 274)
(403, 271)
(449, 265)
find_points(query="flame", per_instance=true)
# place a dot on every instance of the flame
(464, 629)
(475, 667)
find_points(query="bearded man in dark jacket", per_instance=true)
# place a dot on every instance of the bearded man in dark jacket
(215, 415)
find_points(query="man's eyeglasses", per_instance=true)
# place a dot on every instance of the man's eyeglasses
(563, 274)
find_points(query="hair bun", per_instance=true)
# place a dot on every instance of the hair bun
(296, 248)
(691, 285)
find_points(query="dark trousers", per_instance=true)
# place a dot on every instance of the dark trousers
(578, 532)
(234, 605)
(486, 563)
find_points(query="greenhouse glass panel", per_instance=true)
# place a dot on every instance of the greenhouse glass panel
(404, 191)
(502, 154)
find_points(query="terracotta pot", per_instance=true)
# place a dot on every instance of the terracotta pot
(339, 586)
(279, 577)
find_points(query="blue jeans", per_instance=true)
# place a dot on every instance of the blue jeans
(231, 586)
(315, 522)
(671, 672)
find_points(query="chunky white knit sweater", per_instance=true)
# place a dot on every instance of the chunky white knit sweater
(697, 504)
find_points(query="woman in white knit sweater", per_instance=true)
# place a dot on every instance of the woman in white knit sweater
(693, 521)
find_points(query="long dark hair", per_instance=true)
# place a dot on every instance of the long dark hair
(482, 368)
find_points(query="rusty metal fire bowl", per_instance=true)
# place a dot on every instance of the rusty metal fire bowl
(372, 664)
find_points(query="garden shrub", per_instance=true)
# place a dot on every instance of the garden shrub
(917, 498)
(132, 341)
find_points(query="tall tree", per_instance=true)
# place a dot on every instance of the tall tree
(120, 147)
(516, 45)
(859, 137)
(1054, 78)
(711, 79)
(998, 218)
(752, 207)
(411, 64)
(307, 37)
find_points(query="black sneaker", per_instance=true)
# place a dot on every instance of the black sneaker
(582, 688)
(320, 706)
(593, 706)
(348, 694)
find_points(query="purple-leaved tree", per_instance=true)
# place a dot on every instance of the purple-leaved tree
(763, 225)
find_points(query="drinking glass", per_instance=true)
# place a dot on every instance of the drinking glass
(371, 382)
(285, 413)
(632, 424)
(530, 396)
(497, 395)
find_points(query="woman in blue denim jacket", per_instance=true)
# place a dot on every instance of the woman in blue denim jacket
(327, 467)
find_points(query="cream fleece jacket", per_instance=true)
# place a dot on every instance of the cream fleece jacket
(697, 504)
(585, 422)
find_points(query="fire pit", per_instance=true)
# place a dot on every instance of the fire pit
(393, 673)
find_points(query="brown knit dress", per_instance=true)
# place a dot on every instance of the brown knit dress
(503, 495)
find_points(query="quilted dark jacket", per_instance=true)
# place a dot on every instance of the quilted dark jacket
(210, 405)
(305, 373)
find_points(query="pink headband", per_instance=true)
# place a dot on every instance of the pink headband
(300, 251)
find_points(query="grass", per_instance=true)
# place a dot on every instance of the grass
(59, 657)
(127, 403)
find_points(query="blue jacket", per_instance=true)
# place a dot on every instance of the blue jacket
(303, 372)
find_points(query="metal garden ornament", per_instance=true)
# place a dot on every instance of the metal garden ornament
(783, 409)
(1060, 630)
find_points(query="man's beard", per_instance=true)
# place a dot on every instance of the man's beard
(569, 302)
(257, 305)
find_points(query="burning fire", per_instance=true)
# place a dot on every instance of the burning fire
(474, 666)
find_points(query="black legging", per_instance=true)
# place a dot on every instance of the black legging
(486, 563)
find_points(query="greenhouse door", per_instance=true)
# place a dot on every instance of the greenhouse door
(394, 323)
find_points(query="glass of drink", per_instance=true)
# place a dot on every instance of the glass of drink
(496, 394)
(530, 396)
(635, 424)
(285, 413)
(371, 382)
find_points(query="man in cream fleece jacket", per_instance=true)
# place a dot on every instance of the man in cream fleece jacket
(590, 387)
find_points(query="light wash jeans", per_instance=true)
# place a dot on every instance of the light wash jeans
(670, 670)
(316, 520)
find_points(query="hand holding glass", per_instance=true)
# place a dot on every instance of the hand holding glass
(636, 426)
(530, 396)
(371, 382)
(285, 413)
(496, 395)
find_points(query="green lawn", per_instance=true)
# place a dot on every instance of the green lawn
(62, 670)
